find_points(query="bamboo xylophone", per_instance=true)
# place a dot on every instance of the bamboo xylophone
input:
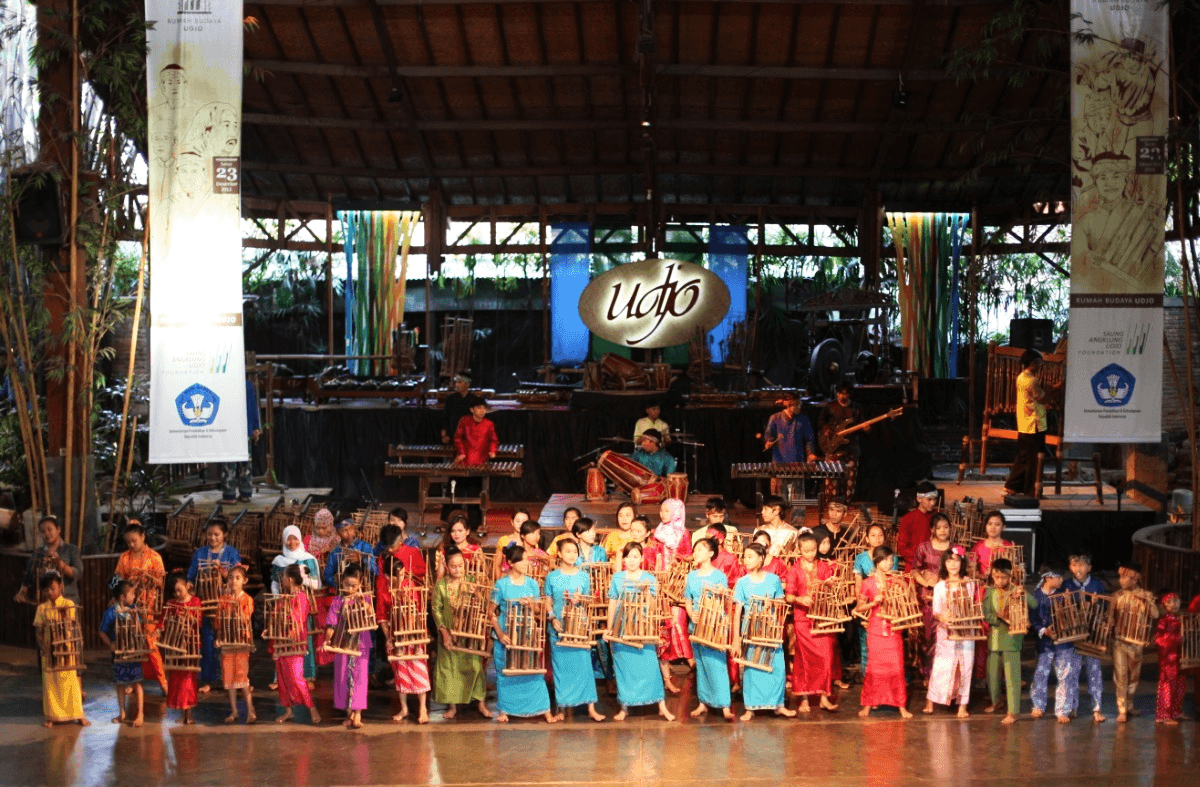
(964, 614)
(130, 644)
(822, 470)
(525, 653)
(1189, 630)
(714, 619)
(280, 628)
(471, 623)
(1100, 625)
(1068, 616)
(762, 632)
(233, 630)
(576, 622)
(1134, 625)
(63, 641)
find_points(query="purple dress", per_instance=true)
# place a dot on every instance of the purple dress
(927, 559)
(350, 672)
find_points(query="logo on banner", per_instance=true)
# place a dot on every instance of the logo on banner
(197, 405)
(1113, 386)
(195, 6)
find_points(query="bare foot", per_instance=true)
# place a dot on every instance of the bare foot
(700, 710)
(47, 724)
(841, 684)
(483, 710)
(1064, 719)
(727, 713)
(231, 718)
(928, 707)
(316, 717)
(274, 686)
(1098, 717)
(827, 705)
(786, 712)
(1036, 714)
(595, 714)
(287, 716)
(502, 718)
(666, 714)
(188, 720)
(401, 716)
(671, 687)
(747, 716)
(423, 717)
(904, 714)
(621, 714)
(1009, 719)
(251, 717)
(1171, 723)
(962, 712)
(119, 720)
(346, 724)
(865, 712)
(552, 718)
(1122, 718)
(804, 707)
(356, 725)
(450, 712)
(991, 708)
(137, 722)
(205, 689)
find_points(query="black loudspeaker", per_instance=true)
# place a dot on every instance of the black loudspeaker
(1031, 334)
(37, 211)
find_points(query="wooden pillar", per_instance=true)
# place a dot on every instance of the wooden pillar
(435, 240)
(330, 348)
(973, 322)
(870, 238)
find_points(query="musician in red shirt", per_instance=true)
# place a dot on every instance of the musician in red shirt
(475, 440)
(914, 526)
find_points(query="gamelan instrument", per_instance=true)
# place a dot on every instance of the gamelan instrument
(287, 637)
(778, 472)
(1014, 608)
(1189, 630)
(357, 615)
(634, 478)
(762, 632)
(471, 625)
(233, 631)
(428, 473)
(827, 612)
(1068, 616)
(63, 639)
(210, 584)
(964, 613)
(408, 630)
(130, 644)
(638, 616)
(677, 486)
(180, 640)
(1101, 622)
(900, 607)
(525, 653)
(714, 619)
(576, 622)
(422, 452)
(1134, 623)
(674, 583)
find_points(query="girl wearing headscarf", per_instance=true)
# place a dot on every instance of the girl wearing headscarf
(295, 553)
(673, 540)
(320, 545)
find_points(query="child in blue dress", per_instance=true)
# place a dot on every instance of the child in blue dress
(761, 690)
(712, 674)
(639, 681)
(516, 695)
(574, 683)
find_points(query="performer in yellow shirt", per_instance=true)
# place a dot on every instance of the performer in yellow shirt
(1031, 427)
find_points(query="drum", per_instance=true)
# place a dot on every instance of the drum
(653, 492)
(677, 486)
(623, 471)
(595, 485)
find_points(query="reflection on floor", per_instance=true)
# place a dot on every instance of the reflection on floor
(828, 749)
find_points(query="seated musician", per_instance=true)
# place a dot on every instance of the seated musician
(835, 416)
(475, 440)
(651, 421)
(456, 406)
(789, 435)
(650, 454)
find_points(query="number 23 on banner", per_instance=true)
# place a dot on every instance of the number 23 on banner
(226, 170)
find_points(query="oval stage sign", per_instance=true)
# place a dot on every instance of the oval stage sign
(653, 303)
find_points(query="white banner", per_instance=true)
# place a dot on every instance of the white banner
(1119, 116)
(197, 361)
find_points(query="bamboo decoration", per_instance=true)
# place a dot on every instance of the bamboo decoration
(1016, 610)
(210, 584)
(762, 632)
(286, 636)
(638, 617)
(1015, 553)
(827, 613)
(470, 627)
(233, 631)
(1189, 629)
(714, 619)
(964, 614)
(351, 557)
(1068, 615)
(900, 607)
(525, 653)
(576, 621)
(408, 629)
(675, 582)
(1134, 624)
(1101, 621)
(130, 644)
(64, 641)
(180, 640)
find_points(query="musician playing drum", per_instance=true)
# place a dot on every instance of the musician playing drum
(789, 435)
(836, 415)
(650, 454)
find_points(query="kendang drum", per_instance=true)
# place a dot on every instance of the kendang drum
(596, 489)
(677, 486)
(635, 479)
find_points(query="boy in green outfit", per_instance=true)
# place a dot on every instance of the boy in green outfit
(1004, 647)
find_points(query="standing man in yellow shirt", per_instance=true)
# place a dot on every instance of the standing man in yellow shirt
(1031, 427)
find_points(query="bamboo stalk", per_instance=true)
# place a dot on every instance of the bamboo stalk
(73, 273)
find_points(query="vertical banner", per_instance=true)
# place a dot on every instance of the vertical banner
(729, 258)
(1119, 113)
(570, 272)
(197, 362)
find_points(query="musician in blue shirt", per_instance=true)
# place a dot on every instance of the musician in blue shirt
(651, 455)
(789, 435)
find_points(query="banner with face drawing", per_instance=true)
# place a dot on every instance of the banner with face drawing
(1119, 116)
(197, 364)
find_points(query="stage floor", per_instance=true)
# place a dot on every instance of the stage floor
(928, 751)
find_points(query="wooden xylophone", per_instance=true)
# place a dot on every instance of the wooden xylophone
(762, 470)
(525, 653)
(428, 473)
(401, 451)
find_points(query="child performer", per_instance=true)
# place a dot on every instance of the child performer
(519, 517)
(348, 541)
(62, 696)
(400, 547)
(1060, 657)
(812, 664)
(774, 564)
(574, 683)
(672, 535)
(128, 677)
(460, 676)
(953, 661)
(725, 561)
(294, 554)
(519, 695)
(228, 557)
(654, 561)
(883, 683)
(1171, 682)
(616, 540)
(412, 674)
(585, 534)
(140, 560)
(639, 682)
(320, 544)
(925, 570)
(1004, 648)
(460, 539)
(761, 690)
(864, 567)
(235, 667)
(293, 689)
(475, 440)
(181, 684)
(1127, 658)
(984, 552)
(712, 674)
(349, 672)
(1081, 579)
(773, 524)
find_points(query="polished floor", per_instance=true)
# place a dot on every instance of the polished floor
(826, 749)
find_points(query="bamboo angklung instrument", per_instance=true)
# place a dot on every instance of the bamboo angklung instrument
(357, 615)
(471, 626)
(1068, 615)
(233, 630)
(964, 614)
(675, 582)
(576, 621)
(149, 588)
(599, 577)
(352, 557)
(130, 644)
(538, 567)
(281, 629)
(827, 613)
(525, 653)
(180, 640)
(900, 606)
(408, 628)
(210, 584)
(762, 632)
(1134, 624)
(1100, 615)
(1016, 610)
(638, 616)
(63, 641)
(1014, 553)
(714, 619)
